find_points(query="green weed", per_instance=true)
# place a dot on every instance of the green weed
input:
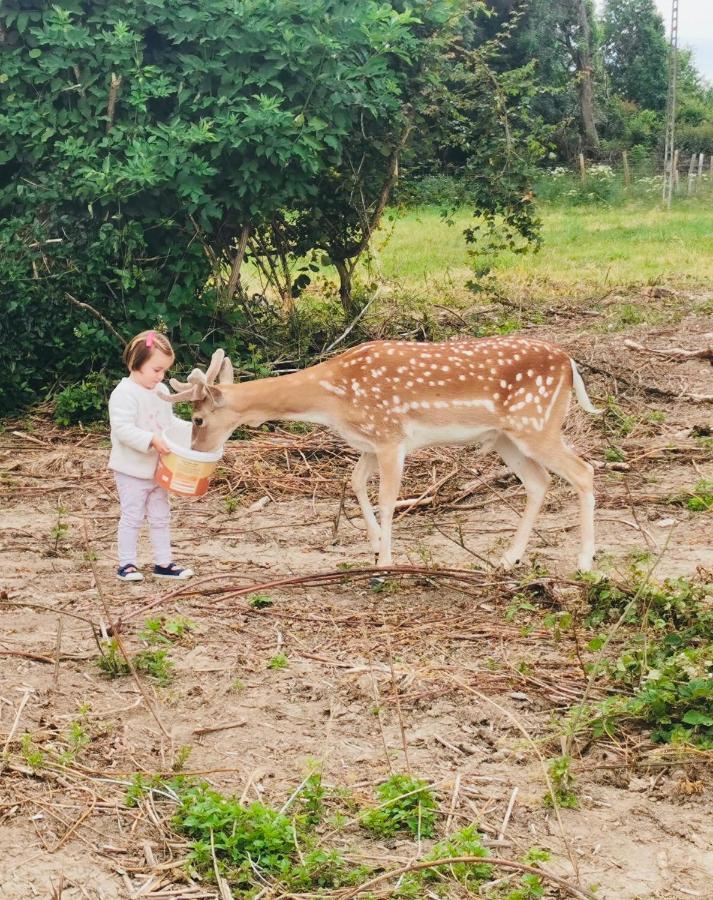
(182, 757)
(310, 800)
(59, 530)
(699, 499)
(253, 843)
(111, 662)
(466, 842)
(77, 739)
(665, 666)
(279, 661)
(405, 804)
(165, 631)
(156, 664)
(531, 888)
(33, 755)
(562, 781)
(231, 504)
(616, 421)
(260, 601)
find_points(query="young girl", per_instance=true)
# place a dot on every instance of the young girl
(138, 416)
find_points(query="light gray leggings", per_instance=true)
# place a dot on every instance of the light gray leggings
(142, 498)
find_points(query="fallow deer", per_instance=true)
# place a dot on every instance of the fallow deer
(388, 398)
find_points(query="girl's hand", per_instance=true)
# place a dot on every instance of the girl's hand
(159, 445)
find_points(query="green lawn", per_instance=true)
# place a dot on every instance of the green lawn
(585, 249)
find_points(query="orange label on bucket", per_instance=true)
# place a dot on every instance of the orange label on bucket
(183, 476)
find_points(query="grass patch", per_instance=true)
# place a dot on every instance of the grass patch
(586, 251)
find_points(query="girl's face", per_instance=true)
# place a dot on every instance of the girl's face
(153, 370)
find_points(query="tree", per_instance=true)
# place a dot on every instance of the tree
(561, 37)
(142, 144)
(635, 52)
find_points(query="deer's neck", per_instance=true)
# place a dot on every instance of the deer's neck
(295, 396)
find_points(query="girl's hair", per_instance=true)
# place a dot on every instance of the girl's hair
(140, 348)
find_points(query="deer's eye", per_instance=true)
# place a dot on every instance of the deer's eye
(198, 421)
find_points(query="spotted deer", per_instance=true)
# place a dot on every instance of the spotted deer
(388, 398)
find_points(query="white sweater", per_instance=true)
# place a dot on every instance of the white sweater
(136, 414)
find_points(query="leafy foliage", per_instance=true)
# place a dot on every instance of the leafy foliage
(83, 402)
(138, 141)
(667, 664)
(635, 52)
(405, 804)
(253, 842)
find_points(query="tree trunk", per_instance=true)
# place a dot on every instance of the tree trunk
(345, 285)
(234, 280)
(586, 89)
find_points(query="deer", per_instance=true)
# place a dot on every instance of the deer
(387, 398)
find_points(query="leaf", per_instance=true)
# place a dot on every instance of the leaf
(694, 717)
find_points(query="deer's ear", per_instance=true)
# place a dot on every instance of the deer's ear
(216, 395)
(226, 376)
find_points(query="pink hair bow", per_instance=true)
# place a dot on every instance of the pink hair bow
(149, 338)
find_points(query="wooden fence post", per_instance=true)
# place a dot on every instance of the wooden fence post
(675, 169)
(625, 160)
(582, 167)
(691, 173)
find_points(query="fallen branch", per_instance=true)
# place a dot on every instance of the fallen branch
(322, 578)
(570, 889)
(677, 353)
(647, 388)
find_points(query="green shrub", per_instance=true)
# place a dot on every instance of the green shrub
(83, 402)
(444, 191)
(255, 842)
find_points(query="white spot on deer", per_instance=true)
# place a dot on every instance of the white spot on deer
(332, 388)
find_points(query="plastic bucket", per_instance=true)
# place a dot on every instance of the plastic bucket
(184, 471)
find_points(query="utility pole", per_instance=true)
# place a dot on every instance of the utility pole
(669, 175)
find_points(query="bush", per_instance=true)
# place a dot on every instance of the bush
(445, 191)
(84, 402)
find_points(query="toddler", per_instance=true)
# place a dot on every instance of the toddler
(138, 416)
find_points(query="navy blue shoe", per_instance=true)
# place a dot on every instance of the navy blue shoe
(172, 571)
(129, 572)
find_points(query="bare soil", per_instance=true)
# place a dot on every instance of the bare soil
(424, 672)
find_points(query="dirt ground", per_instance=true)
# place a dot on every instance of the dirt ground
(430, 673)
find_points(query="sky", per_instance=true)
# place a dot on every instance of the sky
(695, 30)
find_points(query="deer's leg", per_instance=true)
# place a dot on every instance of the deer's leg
(391, 467)
(363, 470)
(563, 461)
(536, 482)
